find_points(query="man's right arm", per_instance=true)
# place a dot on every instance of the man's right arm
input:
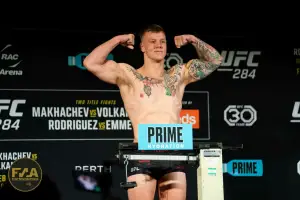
(108, 70)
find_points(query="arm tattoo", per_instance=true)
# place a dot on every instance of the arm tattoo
(209, 60)
(207, 52)
(172, 78)
(198, 69)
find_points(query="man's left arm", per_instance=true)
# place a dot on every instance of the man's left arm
(207, 62)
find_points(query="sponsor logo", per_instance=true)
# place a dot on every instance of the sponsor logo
(77, 60)
(190, 117)
(244, 167)
(240, 115)
(242, 64)
(165, 136)
(25, 175)
(10, 61)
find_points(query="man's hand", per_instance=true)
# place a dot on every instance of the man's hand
(127, 40)
(182, 40)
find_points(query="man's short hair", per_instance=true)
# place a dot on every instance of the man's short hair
(154, 28)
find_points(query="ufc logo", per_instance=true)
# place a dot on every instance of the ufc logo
(296, 113)
(234, 58)
(11, 106)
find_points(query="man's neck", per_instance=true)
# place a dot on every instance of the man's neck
(153, 69)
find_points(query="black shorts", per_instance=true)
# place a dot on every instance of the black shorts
(153, 168)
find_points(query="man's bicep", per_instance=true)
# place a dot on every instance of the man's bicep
(197, 69)
(108, 72)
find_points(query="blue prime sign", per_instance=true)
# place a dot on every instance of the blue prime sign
(244, 167)
(165, 137)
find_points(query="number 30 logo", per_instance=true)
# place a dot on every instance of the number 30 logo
(240, 115)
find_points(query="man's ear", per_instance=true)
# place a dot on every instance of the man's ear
(142, 47)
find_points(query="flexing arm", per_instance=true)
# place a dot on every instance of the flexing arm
(207, 62)
(108, 70)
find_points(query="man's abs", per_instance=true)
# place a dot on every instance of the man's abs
(153, 101)
(157, 108)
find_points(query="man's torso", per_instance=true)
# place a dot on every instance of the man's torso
(153, 101)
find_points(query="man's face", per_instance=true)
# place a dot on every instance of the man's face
(154, 45)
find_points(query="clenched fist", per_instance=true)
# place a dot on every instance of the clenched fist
(182, 40)
(127, 40)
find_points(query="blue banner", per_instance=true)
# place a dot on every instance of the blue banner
(244, 167)
(165, 137)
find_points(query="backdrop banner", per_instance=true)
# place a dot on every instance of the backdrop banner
(45, 114)
(54, 111)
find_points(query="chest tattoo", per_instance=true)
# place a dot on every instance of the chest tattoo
(171, 77)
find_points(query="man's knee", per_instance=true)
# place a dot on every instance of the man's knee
(172, 190)
(173, 186)
(145, 189)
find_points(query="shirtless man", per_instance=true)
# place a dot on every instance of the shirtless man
(153, 95)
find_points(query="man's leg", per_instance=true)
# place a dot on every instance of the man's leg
(145, 189)
(141, 173)
(172, 186)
